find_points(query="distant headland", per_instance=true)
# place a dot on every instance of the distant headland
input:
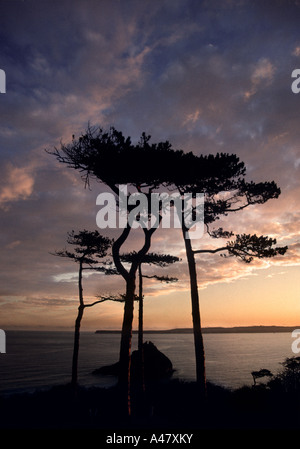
(214, 330)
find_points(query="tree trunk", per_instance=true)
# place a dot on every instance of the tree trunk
(77, 330)
(140, 334)
(141, 330)
(126, 337)
(198, 338)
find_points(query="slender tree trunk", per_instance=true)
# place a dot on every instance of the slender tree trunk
(126, 338)
(141, 326)
(198, 337)
(77, 330)
(141, 330)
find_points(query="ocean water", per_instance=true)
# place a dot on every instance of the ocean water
(37, 359)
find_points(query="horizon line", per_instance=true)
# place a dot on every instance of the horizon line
(71, 328)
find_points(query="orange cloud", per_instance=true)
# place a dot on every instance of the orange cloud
(262, 74)
(18, 184)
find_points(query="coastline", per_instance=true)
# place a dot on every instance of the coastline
(170, 403)
(212, 330)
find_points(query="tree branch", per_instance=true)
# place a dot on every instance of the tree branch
(211, 251)
(96, 302)
(247, 246)
(116, 252)
(161, 278)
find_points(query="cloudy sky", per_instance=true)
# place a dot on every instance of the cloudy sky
(209, 76)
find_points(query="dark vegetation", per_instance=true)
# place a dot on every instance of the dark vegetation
(170, 404)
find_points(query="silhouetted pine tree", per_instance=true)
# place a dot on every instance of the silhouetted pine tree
(90, 247)
(224, 173)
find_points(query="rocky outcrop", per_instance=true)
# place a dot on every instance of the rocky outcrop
(156, 364)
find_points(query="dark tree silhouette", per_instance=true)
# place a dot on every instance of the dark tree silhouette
(160, 260)
(112, 159)
(259, 374)
(210, 174)
(157, 259)
(292, 364)
(90, 246)
(223, 173)
(290, 377)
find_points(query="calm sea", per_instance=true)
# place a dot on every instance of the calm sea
(36, 359)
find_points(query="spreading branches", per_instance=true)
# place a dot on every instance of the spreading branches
(242, 195)
(115, 298)
(90, 246)
(102, 155)
(219, 233)
(258, 193)
(167, 279)
(161, 260)
(246, 247)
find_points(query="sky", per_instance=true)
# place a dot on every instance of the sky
(208, 76)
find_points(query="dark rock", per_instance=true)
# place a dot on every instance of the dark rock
(156, 364)
(112, 370)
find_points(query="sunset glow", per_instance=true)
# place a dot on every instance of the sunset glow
(209, 80)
